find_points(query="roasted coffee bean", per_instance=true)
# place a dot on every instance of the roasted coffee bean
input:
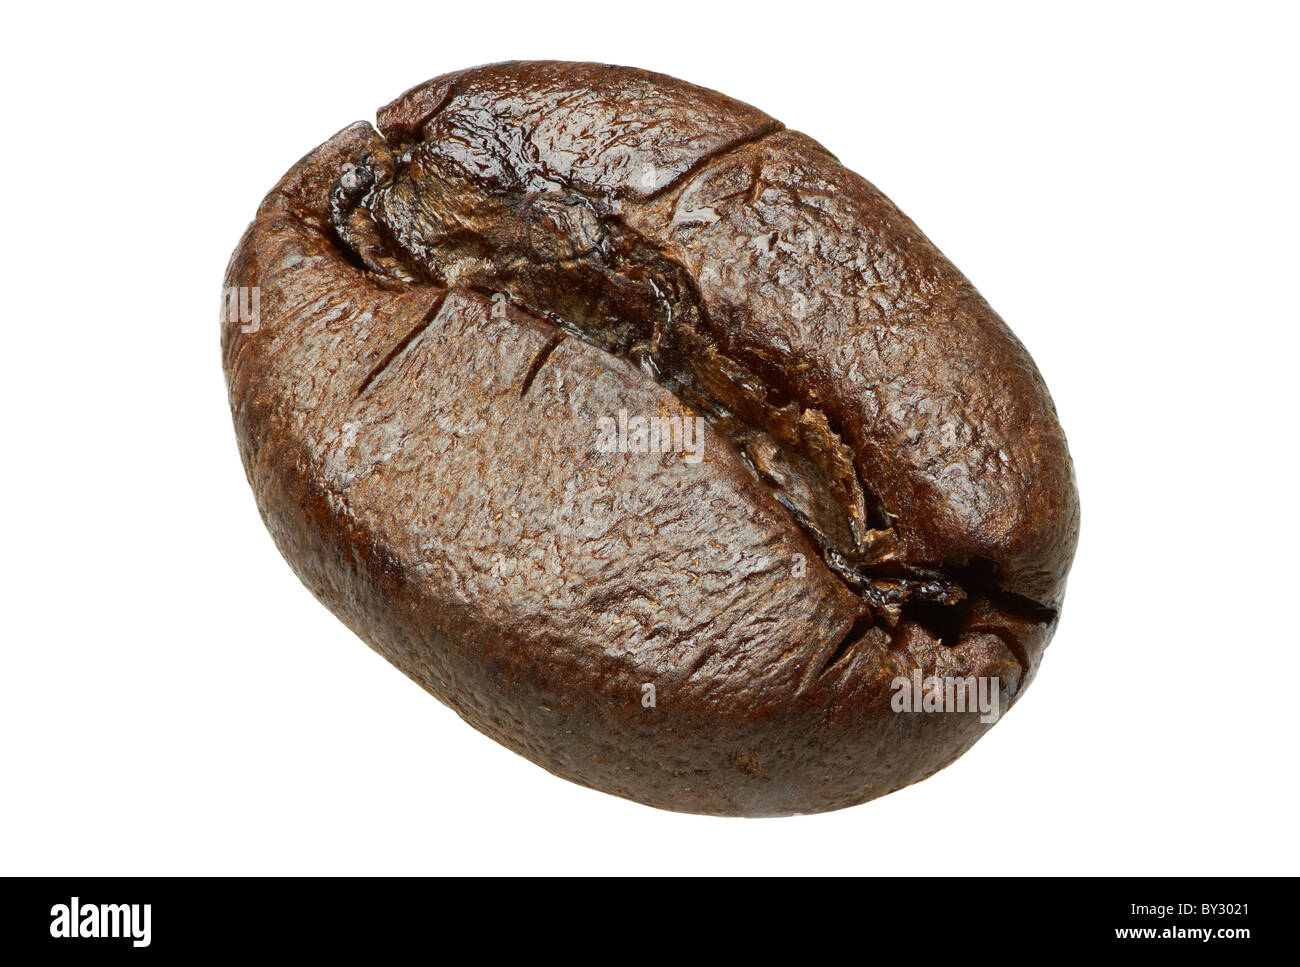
(657, 444)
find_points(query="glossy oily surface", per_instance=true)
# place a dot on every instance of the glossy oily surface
(864, 480)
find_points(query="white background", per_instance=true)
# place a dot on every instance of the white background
(1121, 183)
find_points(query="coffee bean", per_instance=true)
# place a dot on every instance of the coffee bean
(653, 441)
